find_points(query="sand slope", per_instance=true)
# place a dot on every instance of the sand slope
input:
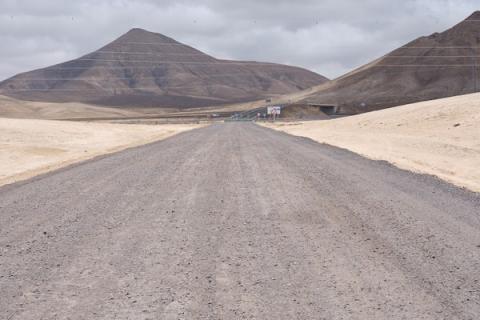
(13, 108)
(438, 137)
(31, 147)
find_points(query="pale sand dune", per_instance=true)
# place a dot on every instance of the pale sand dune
(32, 147)
(438, 137)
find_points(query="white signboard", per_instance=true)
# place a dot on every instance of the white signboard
(275, 110)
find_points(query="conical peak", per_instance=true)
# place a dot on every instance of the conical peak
(142, 35)
(474, 16)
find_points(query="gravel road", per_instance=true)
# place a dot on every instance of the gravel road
(236, 221)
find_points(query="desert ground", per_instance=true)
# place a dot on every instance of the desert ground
(14, 108)
(135, 184)
(237, 221)
(30, 147)
(439, 137)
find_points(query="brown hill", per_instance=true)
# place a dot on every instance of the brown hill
(440, 65)
(142, 68)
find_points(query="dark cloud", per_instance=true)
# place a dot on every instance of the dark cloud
(329, 36)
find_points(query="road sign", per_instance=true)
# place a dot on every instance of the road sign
(274, 110)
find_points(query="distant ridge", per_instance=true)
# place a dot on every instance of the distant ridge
(440, 65)
(147, 69)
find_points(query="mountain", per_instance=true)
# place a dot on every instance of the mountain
(148, 69)
(440, 65)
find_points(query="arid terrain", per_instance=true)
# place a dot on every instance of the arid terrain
(146, 69)
(14, 108)
(135, 184)
(31, 147)
(440, 65)
(438, 137)
(236, 221)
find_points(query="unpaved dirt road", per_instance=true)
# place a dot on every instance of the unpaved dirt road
(236, 221)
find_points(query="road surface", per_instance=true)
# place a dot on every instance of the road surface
(236, 221)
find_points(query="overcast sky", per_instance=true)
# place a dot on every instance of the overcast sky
(327, 36)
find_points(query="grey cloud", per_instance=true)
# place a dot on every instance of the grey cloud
(330, 37)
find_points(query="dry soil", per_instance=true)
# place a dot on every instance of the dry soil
(438, 137)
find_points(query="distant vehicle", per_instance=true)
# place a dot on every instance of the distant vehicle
(268, 100)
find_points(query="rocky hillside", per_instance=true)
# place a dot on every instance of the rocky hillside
(440, 65)
(148, 69)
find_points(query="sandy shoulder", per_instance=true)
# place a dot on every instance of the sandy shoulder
(32, 147)
(439, 137)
